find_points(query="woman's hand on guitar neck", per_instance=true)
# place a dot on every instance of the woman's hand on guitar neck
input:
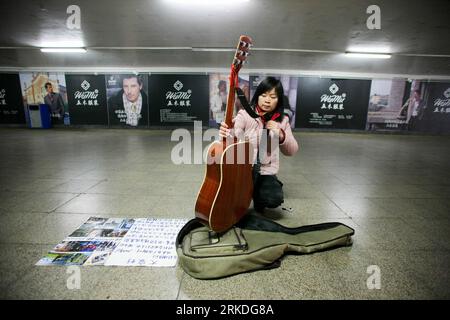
(276, 129)
(224, 132)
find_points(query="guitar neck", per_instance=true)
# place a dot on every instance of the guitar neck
(230, 105)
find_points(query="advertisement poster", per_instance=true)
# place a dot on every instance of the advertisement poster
(332, 103)
(46, 88)
(219, 85)
(87, 99)
(388, 104)
(11, 104)
(178, 99)
(127, 96)
(290, 93)
(429, 107)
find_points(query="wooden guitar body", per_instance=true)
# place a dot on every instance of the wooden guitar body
(227, 188)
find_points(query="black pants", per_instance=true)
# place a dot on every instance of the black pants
(267, 191)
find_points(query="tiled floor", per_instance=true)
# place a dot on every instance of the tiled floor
(394, 190)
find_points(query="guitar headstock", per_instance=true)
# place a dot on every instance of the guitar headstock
(242, 51)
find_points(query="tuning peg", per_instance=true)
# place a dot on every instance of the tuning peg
(244, 44)
(236, 61)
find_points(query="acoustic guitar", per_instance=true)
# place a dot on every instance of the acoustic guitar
(227, 188)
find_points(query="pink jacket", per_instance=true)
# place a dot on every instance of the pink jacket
(251, 128)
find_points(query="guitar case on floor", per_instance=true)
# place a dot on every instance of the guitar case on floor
(255, 243)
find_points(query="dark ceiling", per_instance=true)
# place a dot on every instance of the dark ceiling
(289, 36)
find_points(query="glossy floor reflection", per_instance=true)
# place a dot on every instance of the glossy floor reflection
(393, 190)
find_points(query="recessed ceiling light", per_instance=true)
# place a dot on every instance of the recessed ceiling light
(368, 55)
(79, 50)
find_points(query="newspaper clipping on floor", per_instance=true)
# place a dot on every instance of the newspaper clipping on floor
(118, 242)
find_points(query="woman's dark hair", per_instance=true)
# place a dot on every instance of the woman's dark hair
(131, 76)
(266, 85)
